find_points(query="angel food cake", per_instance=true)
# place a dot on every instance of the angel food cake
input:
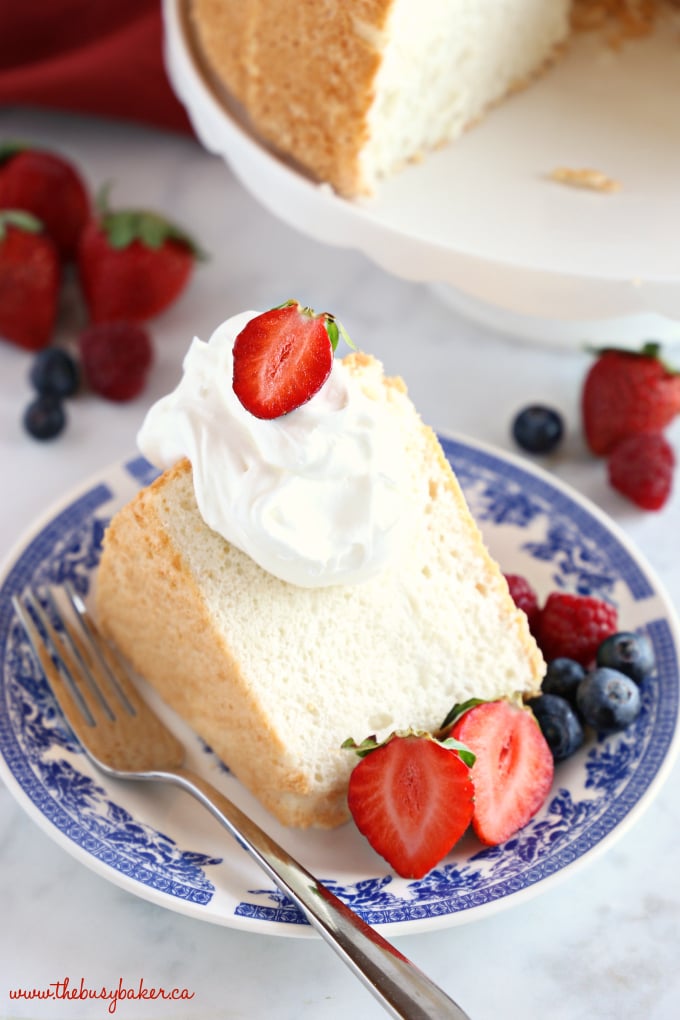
(353, 93)
(290, 581)
(351, 90)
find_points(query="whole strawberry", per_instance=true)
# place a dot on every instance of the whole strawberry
(133, 264)
(30, 274)
(48, 186)
(641, 468)
(627, 393)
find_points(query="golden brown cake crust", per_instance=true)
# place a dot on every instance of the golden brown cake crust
(174, 613)
(257, 47)
(304, 73)
(188, 662)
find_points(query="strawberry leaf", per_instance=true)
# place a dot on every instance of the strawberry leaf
(124, 226)
(21, 219)
(333, 332)
(152, 229)
(120, 230)
(464, 753)
(458, 710)
(364, 748)
(650, 349)
(9, 149)
(371, 743)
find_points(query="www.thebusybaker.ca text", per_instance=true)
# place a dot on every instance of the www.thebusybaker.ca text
(65, 990)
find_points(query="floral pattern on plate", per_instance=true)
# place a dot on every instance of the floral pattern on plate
(148, 844)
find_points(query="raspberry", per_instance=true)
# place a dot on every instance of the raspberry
(524, 596)
(574, 626)
(641, 468)
(116, 358)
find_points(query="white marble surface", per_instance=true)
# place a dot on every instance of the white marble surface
(603, 943)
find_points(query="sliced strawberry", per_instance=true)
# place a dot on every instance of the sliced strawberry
(513, 769)
(411, 798)
(282, 358)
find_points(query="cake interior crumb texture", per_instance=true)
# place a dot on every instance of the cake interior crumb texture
(444, 64)
(275, 677)
(352, 90)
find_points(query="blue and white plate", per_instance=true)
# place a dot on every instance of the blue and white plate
(158, 843)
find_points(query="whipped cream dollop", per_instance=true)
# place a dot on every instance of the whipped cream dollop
(316, 497)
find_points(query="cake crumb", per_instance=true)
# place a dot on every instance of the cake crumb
(593, 180)
(625, 19)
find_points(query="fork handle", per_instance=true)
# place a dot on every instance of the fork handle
(401, 987)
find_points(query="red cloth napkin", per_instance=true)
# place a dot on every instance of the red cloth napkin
(92, 56)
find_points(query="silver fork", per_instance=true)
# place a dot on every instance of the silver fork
(126, 739)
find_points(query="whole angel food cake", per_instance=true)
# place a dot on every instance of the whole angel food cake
(351, 90)
(297, 577)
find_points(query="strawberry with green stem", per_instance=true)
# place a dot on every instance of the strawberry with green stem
(283, 357)
(411, 797)
(133, 263)
(627, 393)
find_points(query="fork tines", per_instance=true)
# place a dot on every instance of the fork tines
(82, 672)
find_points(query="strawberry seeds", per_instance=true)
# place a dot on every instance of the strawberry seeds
(282, 358)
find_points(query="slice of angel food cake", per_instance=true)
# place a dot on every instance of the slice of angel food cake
(306, 570)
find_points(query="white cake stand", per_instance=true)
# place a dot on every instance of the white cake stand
(481, 220)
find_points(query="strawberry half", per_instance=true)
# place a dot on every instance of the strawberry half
(513, 769)
(282, 358)
(30, 274)
(627, 393)
(411, 797)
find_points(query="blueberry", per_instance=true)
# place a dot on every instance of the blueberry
(608, 700)
(632, 654)
(562, 677)
(45, 417)
(537, 429)
(54, 371)
(559, 724)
